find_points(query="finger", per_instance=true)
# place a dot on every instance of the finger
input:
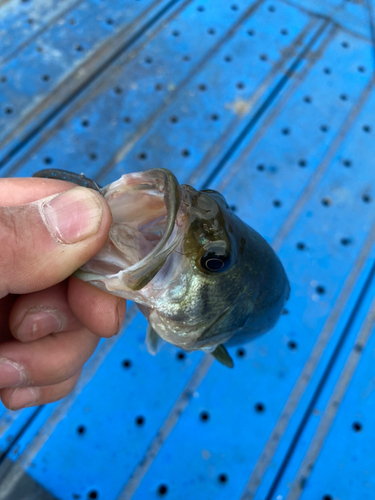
(24, 397)
(46, 361)
(21, 190)
(38, 314)
(101, 312)
(45, 241)
(6, 305)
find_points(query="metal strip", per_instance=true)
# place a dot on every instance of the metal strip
(333, 405)
(321, 384)
(320, 171)
(86, 74)
(263, 107)
(44, 28)
(166, 428)
(26, 489)
(307, 373)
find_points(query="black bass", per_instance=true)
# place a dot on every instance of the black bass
(200, 275)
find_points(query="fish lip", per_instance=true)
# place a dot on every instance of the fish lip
(172, 200)
(165, 181)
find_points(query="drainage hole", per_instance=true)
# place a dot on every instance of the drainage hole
(292, 345)
(357, 426)
(204, 416)
(162, 490)
(222, 478)
(345, 241)
(259, 408)
(140, 420)
(366, 198)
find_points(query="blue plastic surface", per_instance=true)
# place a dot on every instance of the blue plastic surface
(272, 104)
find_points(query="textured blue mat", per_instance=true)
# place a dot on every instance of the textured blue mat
(272, 103)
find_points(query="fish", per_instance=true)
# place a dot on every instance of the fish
(202, 277)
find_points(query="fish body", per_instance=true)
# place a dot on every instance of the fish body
(200, 275)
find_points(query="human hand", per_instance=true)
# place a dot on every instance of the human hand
(50, 322)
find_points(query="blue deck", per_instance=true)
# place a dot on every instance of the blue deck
(272, 103)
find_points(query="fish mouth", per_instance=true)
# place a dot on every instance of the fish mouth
(144, 208)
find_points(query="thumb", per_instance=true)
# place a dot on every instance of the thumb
(44, 242)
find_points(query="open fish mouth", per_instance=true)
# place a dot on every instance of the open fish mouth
(144, 207)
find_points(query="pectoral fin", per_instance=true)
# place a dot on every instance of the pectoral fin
(153, 340)
(222, 355)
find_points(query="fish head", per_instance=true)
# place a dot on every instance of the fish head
(199, 273)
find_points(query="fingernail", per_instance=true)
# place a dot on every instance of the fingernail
(11, 373)
(74, 215)
(26, 396)
(37, 323)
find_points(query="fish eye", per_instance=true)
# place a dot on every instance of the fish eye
(214, 263)
(215, 258)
